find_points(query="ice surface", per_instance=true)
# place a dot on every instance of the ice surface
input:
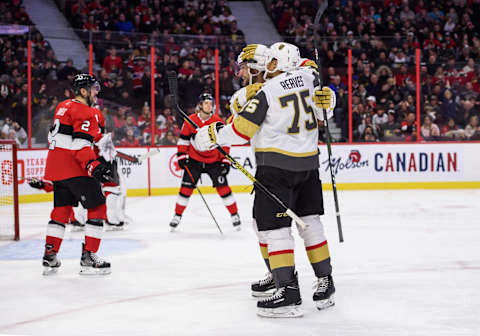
(410, 265)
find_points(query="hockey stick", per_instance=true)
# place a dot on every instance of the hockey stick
(127, 157)
(203, 198)
(316, 22)
(173, 85)
(141, 158)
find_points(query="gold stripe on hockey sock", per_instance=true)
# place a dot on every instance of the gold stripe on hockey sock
(280, 259)
(264, 250)
(318, 253)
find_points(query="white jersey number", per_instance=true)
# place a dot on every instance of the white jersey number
(85, 125)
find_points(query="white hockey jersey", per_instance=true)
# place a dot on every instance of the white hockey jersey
(281, 122)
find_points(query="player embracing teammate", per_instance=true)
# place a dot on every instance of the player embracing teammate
(281, 122)
(76, 172)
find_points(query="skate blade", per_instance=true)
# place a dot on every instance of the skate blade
(281, 312)
(77, 228)
(322, 304)
(173, 228)
(47, 270)
(113, 228)
(237, 228)
(86, 270)
(265, 294)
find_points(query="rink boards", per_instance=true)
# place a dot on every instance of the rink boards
(359, 166)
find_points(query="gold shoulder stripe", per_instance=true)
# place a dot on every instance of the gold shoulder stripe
(245, 126)
(284, 152)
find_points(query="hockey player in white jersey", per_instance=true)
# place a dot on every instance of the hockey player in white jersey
(281, 123)
(251, 62)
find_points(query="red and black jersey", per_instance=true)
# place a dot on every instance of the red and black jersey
(184, 145)
(74, 129)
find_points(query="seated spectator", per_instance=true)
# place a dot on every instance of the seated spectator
(379, 118)
(169, 139)
(451, 130)
(129, 140)
(124, 25)
(113, 62)
(472, 130)
(131, 124)
(68, 71)
(17, 133)
(408, 126)
(119, 118)
(391, 129)
(429, 129)
(369, 135)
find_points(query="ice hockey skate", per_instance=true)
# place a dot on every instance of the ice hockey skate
(324, 290)
(114, 226)
(264, 287)
(236, 222)
(50, 262)
(91, 264)
(284, 302)
(77, 226)
(174, 222)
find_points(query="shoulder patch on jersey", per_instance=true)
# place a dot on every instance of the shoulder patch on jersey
(61, 111)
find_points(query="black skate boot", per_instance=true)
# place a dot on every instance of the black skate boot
(284, 302)
(236, 222)
(50, 262)
(91, 264)
(324, 290)
(174, 223)
(77, 226)
(264, 287)
(114, 226)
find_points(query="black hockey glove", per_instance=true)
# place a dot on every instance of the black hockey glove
(100, 169)
(183, 160)
(36, 183)
(224, 168)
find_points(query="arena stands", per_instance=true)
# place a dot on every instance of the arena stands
(383, 36)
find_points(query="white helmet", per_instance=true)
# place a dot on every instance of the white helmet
(286, 54)
(258, 62)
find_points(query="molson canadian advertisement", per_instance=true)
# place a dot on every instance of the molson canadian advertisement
(358, 166)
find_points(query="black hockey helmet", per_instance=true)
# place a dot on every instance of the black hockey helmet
(85, 81)
(205, 96)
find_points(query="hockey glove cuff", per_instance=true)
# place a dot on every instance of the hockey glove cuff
(100, 170)
(183, 160)
(36, 183)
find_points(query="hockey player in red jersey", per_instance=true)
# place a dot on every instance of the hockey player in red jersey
(195, 163)
(76, 172)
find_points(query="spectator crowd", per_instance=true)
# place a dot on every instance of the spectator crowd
(383, 36)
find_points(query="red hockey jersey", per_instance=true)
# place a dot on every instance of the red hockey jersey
(184, 145)
(70, 139)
